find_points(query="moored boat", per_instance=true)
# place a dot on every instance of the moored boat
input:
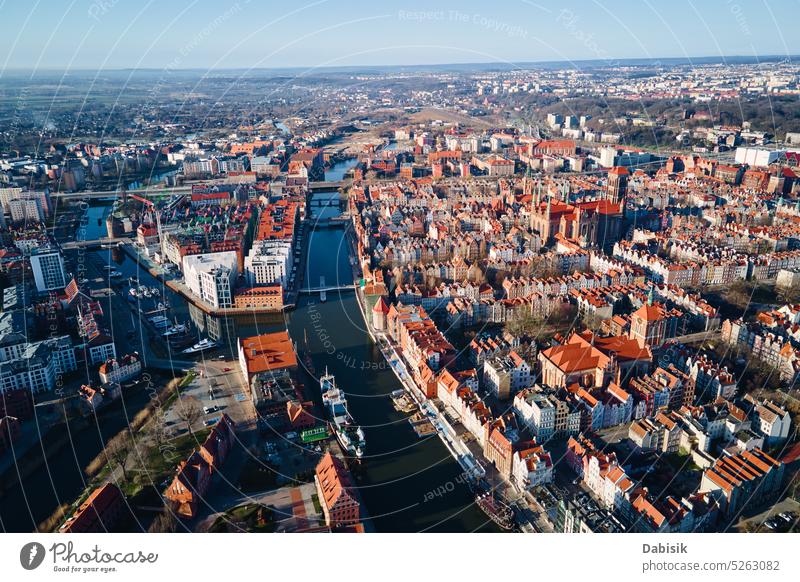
(348, 433)
(200, 346)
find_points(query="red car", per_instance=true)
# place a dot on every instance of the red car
(227, 369)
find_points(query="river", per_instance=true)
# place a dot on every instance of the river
(407, 484)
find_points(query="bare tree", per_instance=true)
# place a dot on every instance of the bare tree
(117, 451)
(189, 410)
(159, 427)
(165, 522)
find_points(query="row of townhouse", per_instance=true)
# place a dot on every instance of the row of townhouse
(549, 413)
(767, 266)
(411, 250)
(546, 413)
(745, 425)
(692, 303)
(723, 271)
(524, 463)
(709, 270)
(487, 345)
(602, 263)
(524, 286)
(419, 339)
(663, 388)
(778, 236)
(442, 294)
(699, 251)
(631, 503)
(712, 381)
(454, 270)
(464, 312)
(774, 349)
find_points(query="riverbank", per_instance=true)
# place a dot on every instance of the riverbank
(182, 290)
(457, 448)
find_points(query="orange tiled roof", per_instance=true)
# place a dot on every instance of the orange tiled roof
(267, 352)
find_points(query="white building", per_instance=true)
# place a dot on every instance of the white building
(269, 261)
(26, 209)
(506, 375)
(536, 411)
(8, 195)
(770, 420)
(532, 467)
(211, 277)
(48, 270)
(121, 370)
(545, 415)
(39, 365)
(758, 157)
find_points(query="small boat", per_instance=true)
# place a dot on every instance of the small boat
(200, 346)
(177, 329)
(402, 402)
(493, 506)
(115, 274)
(159, 321)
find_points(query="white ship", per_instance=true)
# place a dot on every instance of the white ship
(177, 329)
(200, 346)
(349, 434)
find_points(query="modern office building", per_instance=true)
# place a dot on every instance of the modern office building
(211, 277)
(48, 270)
(268, 262)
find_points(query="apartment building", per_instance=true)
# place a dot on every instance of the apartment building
(211, 277)
(504, 376)
(336, 492)
(121, 370)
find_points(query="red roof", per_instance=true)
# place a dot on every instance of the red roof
(381, 306)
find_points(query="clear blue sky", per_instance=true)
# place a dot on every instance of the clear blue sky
(256, 33)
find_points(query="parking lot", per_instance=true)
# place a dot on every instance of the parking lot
(779, 518)
(217, 387)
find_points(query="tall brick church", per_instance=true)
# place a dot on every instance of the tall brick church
(591, 223)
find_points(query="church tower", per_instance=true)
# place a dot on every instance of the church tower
(617, 186)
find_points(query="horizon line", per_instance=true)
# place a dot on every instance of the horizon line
(609, 62)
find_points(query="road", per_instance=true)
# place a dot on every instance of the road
(293, 506)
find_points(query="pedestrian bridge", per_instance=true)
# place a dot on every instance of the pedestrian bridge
(310, 290)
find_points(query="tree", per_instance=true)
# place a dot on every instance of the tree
(159, 424)
(527, 324)
(189, 410)
(165, 522)
(117, 451)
